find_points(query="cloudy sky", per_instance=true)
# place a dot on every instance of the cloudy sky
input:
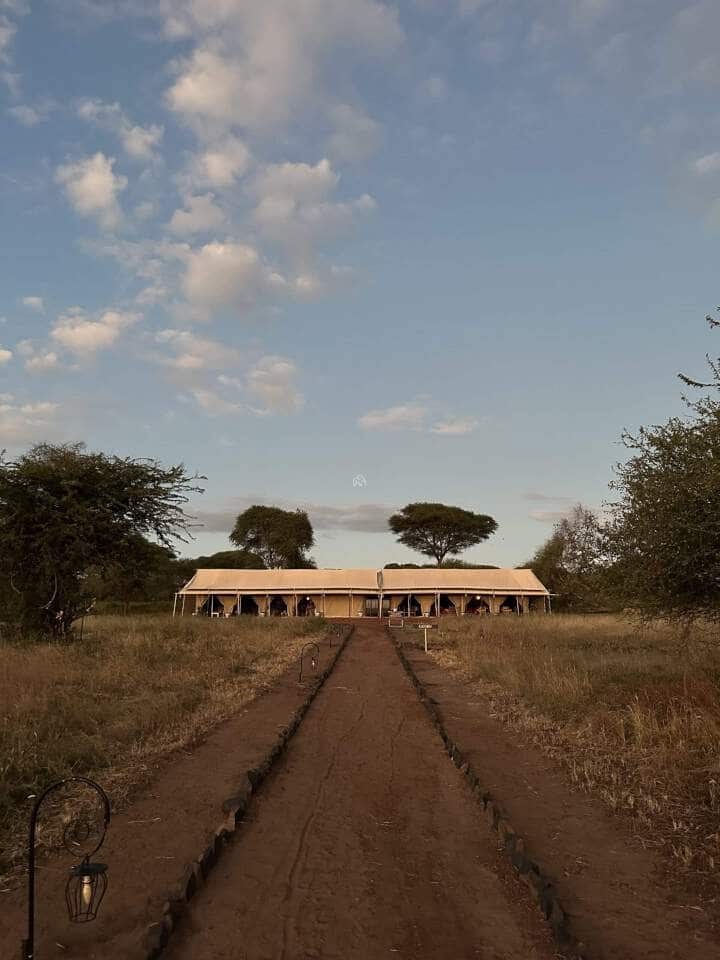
(346, 254)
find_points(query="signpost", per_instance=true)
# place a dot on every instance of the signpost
(426, 627)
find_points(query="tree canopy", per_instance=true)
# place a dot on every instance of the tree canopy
(438, 530)
(663, 534)
(281, 538)
(572, 562)
(66, 513)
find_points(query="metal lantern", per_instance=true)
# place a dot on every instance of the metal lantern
(83, 836)
(85, 890)
(314, 657)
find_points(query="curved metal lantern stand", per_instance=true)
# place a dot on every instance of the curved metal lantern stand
(313, 661)
(87, 882)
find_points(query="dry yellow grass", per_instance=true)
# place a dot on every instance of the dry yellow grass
(132, 691)
(631, 710)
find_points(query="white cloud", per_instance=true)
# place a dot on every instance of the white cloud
(139, 142)
(355, 137)
(34, 303)
(92, 188)
(299, 182)
(41, 362)
(404, 416)
(416, 415)
(189, 353)
(212, 403)
(201, 214)
(255, 63)
(222, 163)
(26, 115)
(5, 356)
(271, 384)
(294, 208)
(707, 164)
(84, 335)
(224, 274)
(22, 423)
(455, 426)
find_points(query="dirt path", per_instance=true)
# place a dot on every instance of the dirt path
(364, 843)
(615, 892)
(150, 841)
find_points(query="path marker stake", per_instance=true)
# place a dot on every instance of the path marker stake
(426, 627)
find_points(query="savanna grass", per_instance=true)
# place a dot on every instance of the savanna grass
(632, 710)
(132, 691)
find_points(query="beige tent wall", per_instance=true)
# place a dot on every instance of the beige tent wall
(341, 593)
(336, 605)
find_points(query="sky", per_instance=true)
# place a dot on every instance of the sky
(348, 254)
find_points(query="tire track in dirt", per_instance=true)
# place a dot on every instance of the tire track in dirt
(364, 842)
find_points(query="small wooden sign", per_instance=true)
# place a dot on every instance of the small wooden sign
(427, 626)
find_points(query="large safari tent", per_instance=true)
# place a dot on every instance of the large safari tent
(361, 593)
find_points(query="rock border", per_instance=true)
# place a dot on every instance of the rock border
(514, 846)
(157, 935)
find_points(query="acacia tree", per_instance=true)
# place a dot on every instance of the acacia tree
(437, 530)
(67, 514)
(281, 538)
(664, 535)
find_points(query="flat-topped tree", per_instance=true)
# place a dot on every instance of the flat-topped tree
(438, 530)
(281, 538)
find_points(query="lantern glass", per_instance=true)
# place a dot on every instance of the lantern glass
(85, 890)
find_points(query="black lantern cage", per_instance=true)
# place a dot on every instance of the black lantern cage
(85, 890)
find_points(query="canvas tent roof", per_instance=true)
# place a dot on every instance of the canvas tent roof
(365, 581)
(282, 581)
(459, 581)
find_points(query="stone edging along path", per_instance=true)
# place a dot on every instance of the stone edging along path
(158, 934)
(513, 844)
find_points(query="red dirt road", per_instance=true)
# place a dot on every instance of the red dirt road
(365, 843)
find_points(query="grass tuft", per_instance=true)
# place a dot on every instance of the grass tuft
(135, 689)
(631, 710)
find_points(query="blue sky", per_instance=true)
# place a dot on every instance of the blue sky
(346, 254)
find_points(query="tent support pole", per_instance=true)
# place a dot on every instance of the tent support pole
(182, 608)
(174, 605)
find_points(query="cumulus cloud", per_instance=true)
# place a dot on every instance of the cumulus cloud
(707, 164)
(34, 303)
(222, 163)
(186, 353)
(138, 142)
(294, 208)
(355, 136)
(404, 416)
(5, 356)
(201, 214)
(255, 63)
(224, 274)
(85, 335)
(92, 188)
(271, 385)
(42, 362)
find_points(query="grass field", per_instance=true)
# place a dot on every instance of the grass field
(135, 689)
(631, 710)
